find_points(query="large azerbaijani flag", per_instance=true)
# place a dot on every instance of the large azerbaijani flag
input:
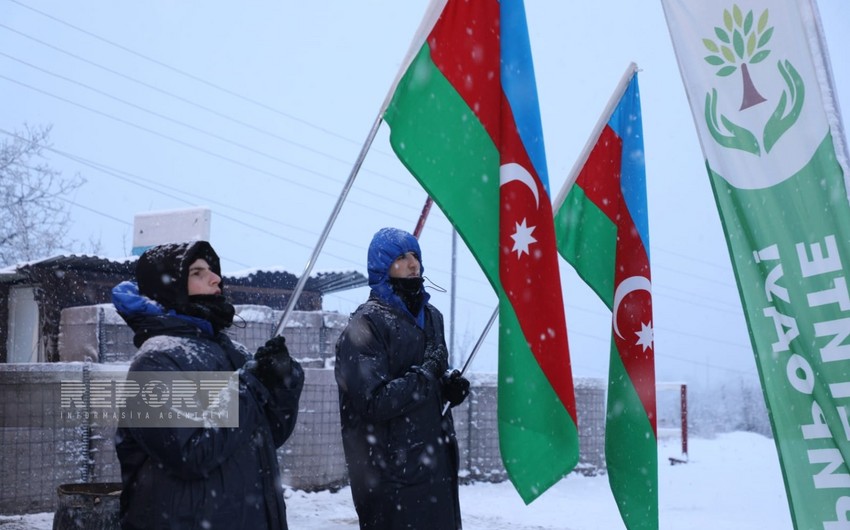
(464, 119)
(603, 232)
(759, 83)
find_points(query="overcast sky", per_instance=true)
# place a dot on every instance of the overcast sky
(259, 109)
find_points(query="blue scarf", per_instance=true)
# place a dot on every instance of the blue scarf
(128, 301)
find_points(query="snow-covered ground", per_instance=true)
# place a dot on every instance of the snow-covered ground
(731, 481)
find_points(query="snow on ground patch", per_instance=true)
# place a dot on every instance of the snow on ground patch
(731, 481)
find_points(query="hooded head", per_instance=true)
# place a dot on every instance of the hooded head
(162, 272)
(387, 245)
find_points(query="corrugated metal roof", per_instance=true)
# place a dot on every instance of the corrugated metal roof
(324, 283)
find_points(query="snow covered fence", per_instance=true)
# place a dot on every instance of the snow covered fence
(46, 442)
(39, 449)
(43, 446)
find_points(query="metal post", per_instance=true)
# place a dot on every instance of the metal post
(684, 404)
(453, 299)
(423, 217)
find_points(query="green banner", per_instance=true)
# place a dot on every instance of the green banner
(790, 245)
(759, 86)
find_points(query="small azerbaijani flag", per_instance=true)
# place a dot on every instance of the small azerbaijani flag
(603, 232)
(464, 120)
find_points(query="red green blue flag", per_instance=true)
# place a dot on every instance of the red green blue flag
(603, 232)
(464, 120)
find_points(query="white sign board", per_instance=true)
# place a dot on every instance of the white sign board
(172, 226)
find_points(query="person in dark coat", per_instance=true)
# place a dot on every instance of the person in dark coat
(391, 371)
(202, 476)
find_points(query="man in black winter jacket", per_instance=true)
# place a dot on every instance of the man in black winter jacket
(202, 476)
(391, 370)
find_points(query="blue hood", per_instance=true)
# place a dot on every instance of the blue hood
(130, 304)
(388, 244)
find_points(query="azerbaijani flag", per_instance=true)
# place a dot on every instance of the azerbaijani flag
(464, 120)
(603, 232)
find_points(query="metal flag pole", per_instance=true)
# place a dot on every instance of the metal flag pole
(480, 340)
(453, 306)
(475, 349)
(431, 14)
(594, 135)
(299, 287)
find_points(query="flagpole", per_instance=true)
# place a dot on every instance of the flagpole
(480, 340)
(299, 287)
(432, 13)
(594, 136)
(453, 300)
(476, 348)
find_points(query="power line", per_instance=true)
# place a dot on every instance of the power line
(199, 148)
(571, 331)
(179, 98)
(280, 237)
(188, 75)
(178, 122)
(134, 179)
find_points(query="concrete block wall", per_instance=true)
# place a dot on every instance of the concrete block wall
(94, 333)
(98, 334)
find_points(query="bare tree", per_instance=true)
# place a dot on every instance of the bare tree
(34, 215)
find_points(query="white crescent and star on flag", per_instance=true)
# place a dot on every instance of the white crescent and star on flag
(522, 236)
(523, 239)
(631, 284)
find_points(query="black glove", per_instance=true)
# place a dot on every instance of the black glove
(455, 388)
(272, 363)
(274, 346)
(436, 359)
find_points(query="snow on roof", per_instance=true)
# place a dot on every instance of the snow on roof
(323, 282)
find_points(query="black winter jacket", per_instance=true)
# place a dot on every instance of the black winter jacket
(210, 478)
(402, 454)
